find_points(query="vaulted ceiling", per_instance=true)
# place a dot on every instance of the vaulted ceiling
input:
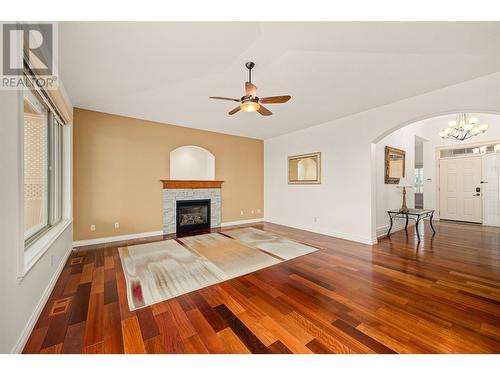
(166, 71)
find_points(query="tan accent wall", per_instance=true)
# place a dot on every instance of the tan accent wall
(119, 162)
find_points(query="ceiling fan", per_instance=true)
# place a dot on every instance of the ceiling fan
(251, 102)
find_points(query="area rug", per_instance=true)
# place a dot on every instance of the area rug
(158, 271)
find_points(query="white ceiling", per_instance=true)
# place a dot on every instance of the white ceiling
(166, 71)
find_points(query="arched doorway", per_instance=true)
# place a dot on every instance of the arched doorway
(424, 150)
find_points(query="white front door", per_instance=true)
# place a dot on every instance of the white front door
(459, 179)
(491, 189)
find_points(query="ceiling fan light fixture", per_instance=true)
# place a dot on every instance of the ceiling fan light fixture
(250, 106)
(250, 102)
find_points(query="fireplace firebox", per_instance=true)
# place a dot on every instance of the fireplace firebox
(193, 215)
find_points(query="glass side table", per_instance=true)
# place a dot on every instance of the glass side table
(412, 213)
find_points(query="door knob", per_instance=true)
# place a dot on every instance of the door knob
(476, 195)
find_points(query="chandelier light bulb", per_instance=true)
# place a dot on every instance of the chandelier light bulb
(483, 127)
(452, 123)
(475, 150)
(474, 120)
(496, 148)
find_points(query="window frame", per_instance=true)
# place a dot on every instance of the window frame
(28, 257)
(55, 166)
(36, 231)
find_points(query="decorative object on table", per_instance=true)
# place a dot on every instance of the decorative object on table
(404, 186)
(394, 165)
(464, 127)
(304, 169)
(416, 214)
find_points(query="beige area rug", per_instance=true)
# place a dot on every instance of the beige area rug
(158, 271)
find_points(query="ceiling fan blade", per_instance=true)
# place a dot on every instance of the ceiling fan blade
(275, 99)
(264, 111)
(232, 112)
(223, 98)
(250, 89)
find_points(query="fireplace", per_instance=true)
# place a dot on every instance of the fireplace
(185, 191)
(193, 215)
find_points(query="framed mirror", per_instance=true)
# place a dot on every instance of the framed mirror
(304, 169)
(394, 165)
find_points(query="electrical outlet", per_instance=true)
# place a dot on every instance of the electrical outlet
(315, 219)
(92, 227)
(241, 212)
(117, 225)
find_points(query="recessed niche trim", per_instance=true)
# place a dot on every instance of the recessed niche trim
(191, 162)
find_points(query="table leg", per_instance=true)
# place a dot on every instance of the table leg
(390, 227)
(432, 226)
(406, 225)
(416, 228)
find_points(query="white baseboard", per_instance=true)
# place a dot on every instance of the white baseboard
(124, 237)
(336, 234)
(240, 222)
(40, 305)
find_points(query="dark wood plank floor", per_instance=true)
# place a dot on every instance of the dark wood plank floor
(396, 297)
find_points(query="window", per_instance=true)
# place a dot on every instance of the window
(419, 180)
(43, 142)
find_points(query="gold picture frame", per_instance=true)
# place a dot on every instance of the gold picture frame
(304, 169)
(395, 165)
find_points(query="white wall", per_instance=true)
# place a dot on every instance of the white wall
(389, 196)
(22, 300)
(344, 204)
(192, 163)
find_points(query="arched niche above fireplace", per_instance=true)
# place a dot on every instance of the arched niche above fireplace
(192, 163)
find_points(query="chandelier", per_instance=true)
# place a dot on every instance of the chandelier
(464, 127)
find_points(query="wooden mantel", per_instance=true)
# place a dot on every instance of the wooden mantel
(192, 184)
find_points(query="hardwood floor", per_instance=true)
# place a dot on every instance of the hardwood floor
(442, 296)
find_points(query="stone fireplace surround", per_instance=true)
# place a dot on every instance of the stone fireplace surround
(177, 190)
